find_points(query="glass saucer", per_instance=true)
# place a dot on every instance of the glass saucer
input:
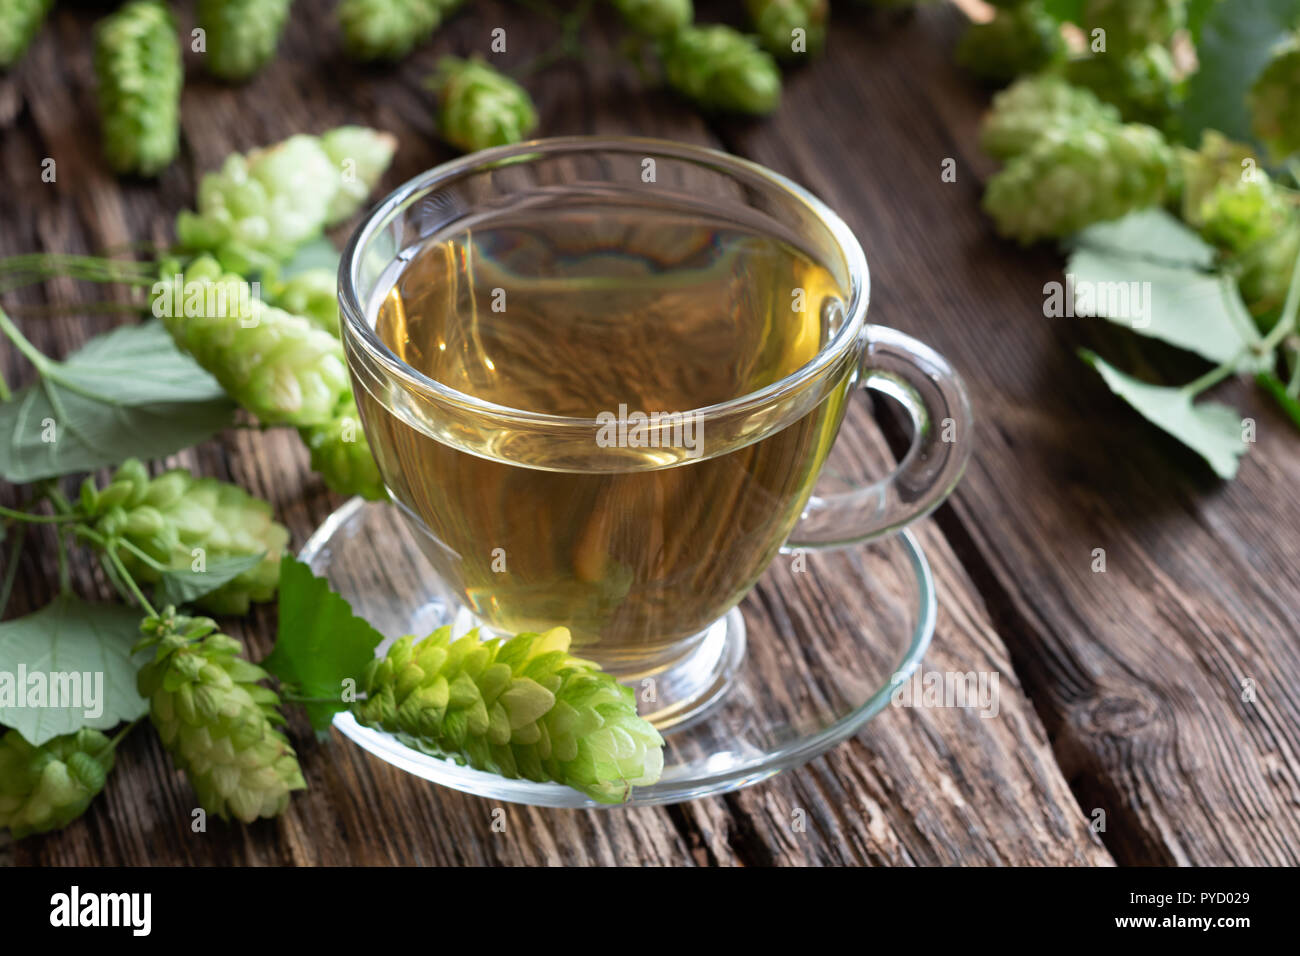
(826, 635)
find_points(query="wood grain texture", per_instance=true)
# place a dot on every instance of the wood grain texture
(1133, 674)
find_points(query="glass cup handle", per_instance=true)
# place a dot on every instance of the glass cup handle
(942, 428)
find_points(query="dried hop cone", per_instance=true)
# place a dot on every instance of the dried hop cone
(19, 23)
(47, 787)
(789, 29)
(1130, 25)
(1020, 40)
(259, 208)
(479, 107)
(721, 69)
(216, 720)
(177, 519)
(279, 366)
(139, 75)
(524, 707)
(1031, 106)
(241, 35)
(1075, 176)
(341, 454)
(656, 18)
(1275, 103)
(1144, 85)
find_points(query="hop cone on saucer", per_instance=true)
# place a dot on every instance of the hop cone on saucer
(479, 107)
(1031, 106)
(776, 21)
(168, 517)
(279, 366)
(1275, 103)
(215, 719)
(1020, 40)
(524, 707)
(341, 454)
(721, 69)
(241, 34)
(47, 787)
(656, 18)
(1074, 176)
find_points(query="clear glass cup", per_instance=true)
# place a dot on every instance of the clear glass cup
(669, 625)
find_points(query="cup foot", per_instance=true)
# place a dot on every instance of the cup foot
(801, 665)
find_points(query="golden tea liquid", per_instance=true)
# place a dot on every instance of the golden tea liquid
(579, 313)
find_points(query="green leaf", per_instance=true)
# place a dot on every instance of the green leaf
(1064, 11)
(181, 585)
(320, 642)
(69, 636)
(127, 393)
(1236, 40)
(1197, 13)
(1277, 388)
(1210, 429)
(1151, 233)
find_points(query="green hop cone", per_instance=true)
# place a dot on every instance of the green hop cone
(1218, 161)
(656, 18)
(789, 29)
(312, 294)
(720, 69)
(172, 515)
(524, 707)
(389, 29)
(138, 73)
(215, 719)
(256, 211)
(1131, 25)
(279, 366)
(47, 787)
(479, 107)
(1274, 102)
(342, 457)
(19, 23)
(1031, 106)
(1144, 86)
(241, 34)
(1020, 40)
(1074, 176)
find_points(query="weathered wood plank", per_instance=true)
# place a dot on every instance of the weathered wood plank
(918, 786)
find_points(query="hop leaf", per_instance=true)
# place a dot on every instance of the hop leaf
(138, 72)
(479, 107)
(1074, 176)
(524, 708)
(259, 208)
(45, 788)
(279, 366)
(241, 34)
(1023, 39)
(215, 719)
(656, 18)
(1274, 102)
(341, 454)
(18, 25)
(389, 29)
(1031, 106)
(1130, 25)
(720, 69)
(777, 20)
(169, 516)
(1143, 85)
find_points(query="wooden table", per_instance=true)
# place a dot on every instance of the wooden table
(1121, 691)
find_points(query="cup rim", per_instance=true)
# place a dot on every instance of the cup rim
(353, 315)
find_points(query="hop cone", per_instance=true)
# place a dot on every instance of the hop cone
(215, 719)
(1020, 40)
(312, 294)
(241, 34)
(1143, 85)
(776, 20)
(656, 18)
(720, 69)
(168, 517)
(1031, 106)
(138, 72)
(388, 29)
(1131, 25)
(522, 708)
(1217, 162)
(259, 208)
(47, 787)
(19, 23)
(1264, 273)
(1275, 103)
(479, 107)
(1075, 176)
(341, 455)
(279, 366)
